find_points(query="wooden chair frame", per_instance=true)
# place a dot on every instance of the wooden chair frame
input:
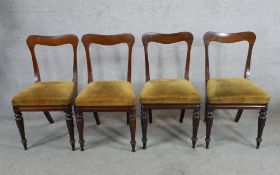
(32, 41)
(250, 37)
(87, 40)
(146, 109)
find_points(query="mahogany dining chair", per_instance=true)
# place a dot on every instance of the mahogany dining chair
(108, 95)
(48, 96)
(169, 93)
(233, 93)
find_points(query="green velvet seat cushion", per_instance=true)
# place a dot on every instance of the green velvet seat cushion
(48, 93)
(169, 91)
(235, 91)
(107, 93)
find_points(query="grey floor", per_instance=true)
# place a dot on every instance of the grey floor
(232, 150)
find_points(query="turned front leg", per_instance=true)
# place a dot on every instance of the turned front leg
(80, 126)
(132, 125)
(209, 122)
(196, 118)
(261, 123)
(144, 124)
(70, 126)
(20, 125)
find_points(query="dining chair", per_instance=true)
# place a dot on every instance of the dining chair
(233, 93)
(47, 96)
(108, 95)
(169, 93)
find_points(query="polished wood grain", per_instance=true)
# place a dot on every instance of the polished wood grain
(32, 41)
(249, 37)
(87, 40)
(146, 109)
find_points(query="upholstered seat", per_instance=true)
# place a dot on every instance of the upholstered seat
(107, 93)
(169, 91)
(48, 93)
(235, 91)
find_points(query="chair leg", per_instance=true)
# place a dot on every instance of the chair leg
(49, 117)
(70, 126)
(209, 122)
(205, 111)
(96, 117)
(196, 118)
(132, 125)
(20, 125)
(144, 124)
(261, 123)
(182, 115)
(80, 126)
(127, 118)
(238, 115)
(150, 116)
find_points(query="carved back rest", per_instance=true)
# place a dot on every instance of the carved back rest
(250, 37)
(34, 40)
(167, 39)
(108, 40)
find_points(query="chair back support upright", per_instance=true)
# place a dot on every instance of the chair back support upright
(233, 93)
(107, 96)
(250, 37)
(167, 39)
(126, 38)
(168, 93)
(48, 95)
(34, 40)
